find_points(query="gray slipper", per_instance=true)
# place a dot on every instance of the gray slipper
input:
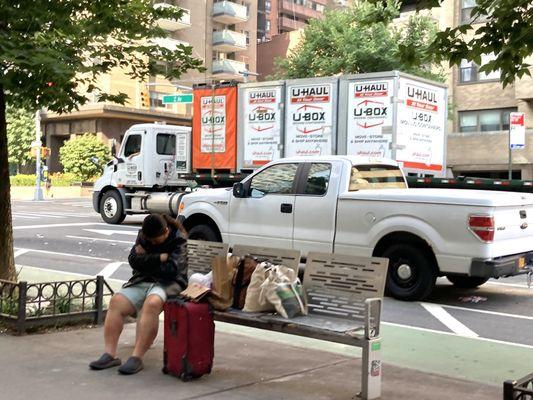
(132, 366)
(105, 361)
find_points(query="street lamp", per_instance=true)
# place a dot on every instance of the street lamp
(247, 73)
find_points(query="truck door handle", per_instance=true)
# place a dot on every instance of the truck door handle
(286, 208)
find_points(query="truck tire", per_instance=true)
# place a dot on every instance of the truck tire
(203, 232)
(411, 274)
(111, 207)
(466, 282)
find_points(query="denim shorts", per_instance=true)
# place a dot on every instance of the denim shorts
(138, 293)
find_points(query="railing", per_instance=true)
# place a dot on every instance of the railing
(230, 9)
(229, 37)
(519, 390)
(26, 305)
(228, 66)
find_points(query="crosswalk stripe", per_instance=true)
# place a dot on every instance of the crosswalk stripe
(110, 269)
(450, 322)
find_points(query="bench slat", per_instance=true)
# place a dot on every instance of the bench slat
(200, 254)
(338, 284)
(286, 257)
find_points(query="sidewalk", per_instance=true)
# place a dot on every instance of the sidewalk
(54, 366)
(56, 192)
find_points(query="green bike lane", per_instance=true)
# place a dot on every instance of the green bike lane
(478, 359)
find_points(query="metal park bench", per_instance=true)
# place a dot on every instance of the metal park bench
(344, 299)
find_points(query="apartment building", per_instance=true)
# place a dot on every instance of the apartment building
(221, 33)
(275, 17)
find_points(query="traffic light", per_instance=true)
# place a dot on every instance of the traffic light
(45, 152)
(145, 99)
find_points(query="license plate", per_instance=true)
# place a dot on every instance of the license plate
(521, 262)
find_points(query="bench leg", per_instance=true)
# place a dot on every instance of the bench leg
(371, 374)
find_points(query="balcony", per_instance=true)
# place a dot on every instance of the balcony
(169, 43)
(174, 24)
(227, 41)
(228, 12)
(288, 7)
(287, 24)
(228, 69)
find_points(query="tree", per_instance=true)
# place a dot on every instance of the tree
(502, 28)
(343, 43)
(76, 155)
(51, 54)
(20, 134)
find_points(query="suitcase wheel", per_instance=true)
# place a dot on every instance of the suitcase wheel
(164, 370)
(186, 377)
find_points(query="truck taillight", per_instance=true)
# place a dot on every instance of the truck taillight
(482, 226)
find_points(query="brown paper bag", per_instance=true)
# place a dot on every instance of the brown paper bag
(221, 296)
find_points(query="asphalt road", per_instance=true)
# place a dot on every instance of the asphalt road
(68, 236)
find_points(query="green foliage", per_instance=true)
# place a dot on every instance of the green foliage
(57, 179)
(20, 134)
(55, 50)
(62, 305)
(350, 41)
(76, 154)
(507, 33)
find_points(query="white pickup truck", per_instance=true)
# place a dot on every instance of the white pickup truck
(362, 206)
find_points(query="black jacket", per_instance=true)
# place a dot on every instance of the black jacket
(149, 268)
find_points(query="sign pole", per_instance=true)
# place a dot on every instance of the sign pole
(38, 195)
(510, 158)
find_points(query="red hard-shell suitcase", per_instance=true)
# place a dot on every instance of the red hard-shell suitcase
(189, 342)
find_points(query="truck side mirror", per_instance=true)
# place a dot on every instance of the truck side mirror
(114, 148)
(239, 190)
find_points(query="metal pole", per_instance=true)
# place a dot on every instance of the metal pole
(213, 130)
(38, 196)
(510, 157)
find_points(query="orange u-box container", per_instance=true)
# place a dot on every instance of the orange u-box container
(214, 127)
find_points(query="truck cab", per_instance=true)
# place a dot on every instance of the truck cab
(150, 159)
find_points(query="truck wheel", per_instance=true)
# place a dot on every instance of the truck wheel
(203, 232)
(111, 207)
(411, 275)
(466, 282)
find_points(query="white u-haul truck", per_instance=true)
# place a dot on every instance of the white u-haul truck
(381, 115)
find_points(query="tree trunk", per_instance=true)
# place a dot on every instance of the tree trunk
(7, 259)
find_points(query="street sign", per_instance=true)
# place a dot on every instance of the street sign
(517, 131)
(177, 98)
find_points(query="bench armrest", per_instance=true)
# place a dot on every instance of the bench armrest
(372, 317)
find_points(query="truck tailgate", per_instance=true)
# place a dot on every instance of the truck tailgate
(513, 230)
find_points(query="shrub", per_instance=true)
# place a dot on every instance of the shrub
(76, 154)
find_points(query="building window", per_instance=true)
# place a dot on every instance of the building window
(268, 6)
(485, 120)
(469, 71)
(156, 101)
(466, 12)
(267, 25)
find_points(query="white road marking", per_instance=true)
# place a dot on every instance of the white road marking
(57, 225)
(20, 252)
(443, 316)
(23, 216)
(57, 271)
(500, 314)
(65, 254)
(53, 214)
(517, 285)
(416, 328)
(108, 232)
(35, 215)
(98, 239)
(110, 269)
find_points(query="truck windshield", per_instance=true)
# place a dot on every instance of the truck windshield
(376, 177)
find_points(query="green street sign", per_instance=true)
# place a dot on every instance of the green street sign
(177, 98)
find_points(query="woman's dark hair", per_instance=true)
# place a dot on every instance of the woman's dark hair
(154, 225)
